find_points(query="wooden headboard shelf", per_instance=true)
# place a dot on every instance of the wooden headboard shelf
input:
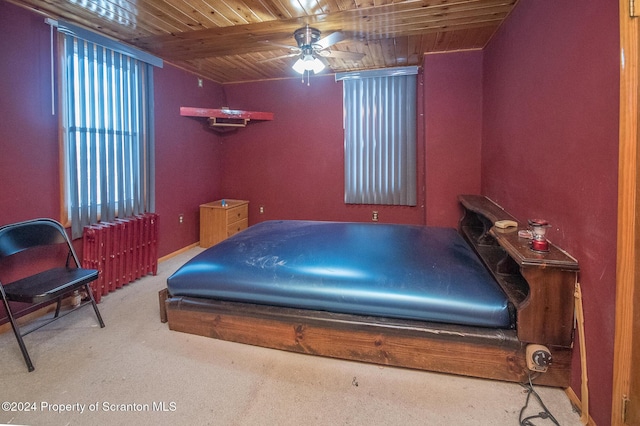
(519, 270)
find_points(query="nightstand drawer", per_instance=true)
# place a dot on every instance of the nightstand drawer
(236, 214)
(236, 227)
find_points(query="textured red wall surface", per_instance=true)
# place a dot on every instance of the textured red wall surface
(550, 150)
(293, 165)
(188, 160)
(453, 132)
(187, 171)
(28, 131)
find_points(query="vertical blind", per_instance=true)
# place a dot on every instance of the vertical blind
(108, 133)
(380, 136)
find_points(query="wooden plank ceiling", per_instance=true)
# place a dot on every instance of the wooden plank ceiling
(237, 40)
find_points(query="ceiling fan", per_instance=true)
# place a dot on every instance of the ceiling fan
(312, 50)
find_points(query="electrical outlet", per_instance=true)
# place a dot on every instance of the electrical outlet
(261, 209)
(200, 83)
(181, 218)
(374, 216)
(538, 358)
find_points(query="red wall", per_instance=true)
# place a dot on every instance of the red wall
(29, 169)
(293, 165)
(187, 171)
(453, 132)
(550, 149)
(188, 159)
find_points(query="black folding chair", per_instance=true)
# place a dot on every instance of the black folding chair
(47, 286)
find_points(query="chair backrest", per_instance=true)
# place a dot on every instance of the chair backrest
(21, 236)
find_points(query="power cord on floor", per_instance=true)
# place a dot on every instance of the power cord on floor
(546, 414)
(584, 418)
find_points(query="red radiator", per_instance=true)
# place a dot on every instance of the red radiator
(122, 251)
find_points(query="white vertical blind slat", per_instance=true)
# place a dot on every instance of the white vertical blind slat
(380, 140)
(104, 113)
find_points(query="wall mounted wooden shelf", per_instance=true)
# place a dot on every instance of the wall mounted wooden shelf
(225, 118)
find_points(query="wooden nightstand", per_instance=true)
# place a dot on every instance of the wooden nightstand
(218, 222)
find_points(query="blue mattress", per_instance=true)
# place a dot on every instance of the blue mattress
(396, 271)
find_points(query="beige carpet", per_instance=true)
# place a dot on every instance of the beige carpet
(136, 371)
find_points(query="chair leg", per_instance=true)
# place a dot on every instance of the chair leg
(95, 306)
(58, 307)
(16, 331)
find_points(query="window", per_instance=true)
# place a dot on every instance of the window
(380, 136)
(107, 133)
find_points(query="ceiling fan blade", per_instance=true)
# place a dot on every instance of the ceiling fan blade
(330, 40)
(281, 45)
(339, 54)
(277, 58)
(324, 61)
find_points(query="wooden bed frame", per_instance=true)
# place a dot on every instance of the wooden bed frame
(540, 287)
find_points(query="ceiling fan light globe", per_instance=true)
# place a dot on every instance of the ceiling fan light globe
(316, 65)
(299, 67)
(308, 63)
